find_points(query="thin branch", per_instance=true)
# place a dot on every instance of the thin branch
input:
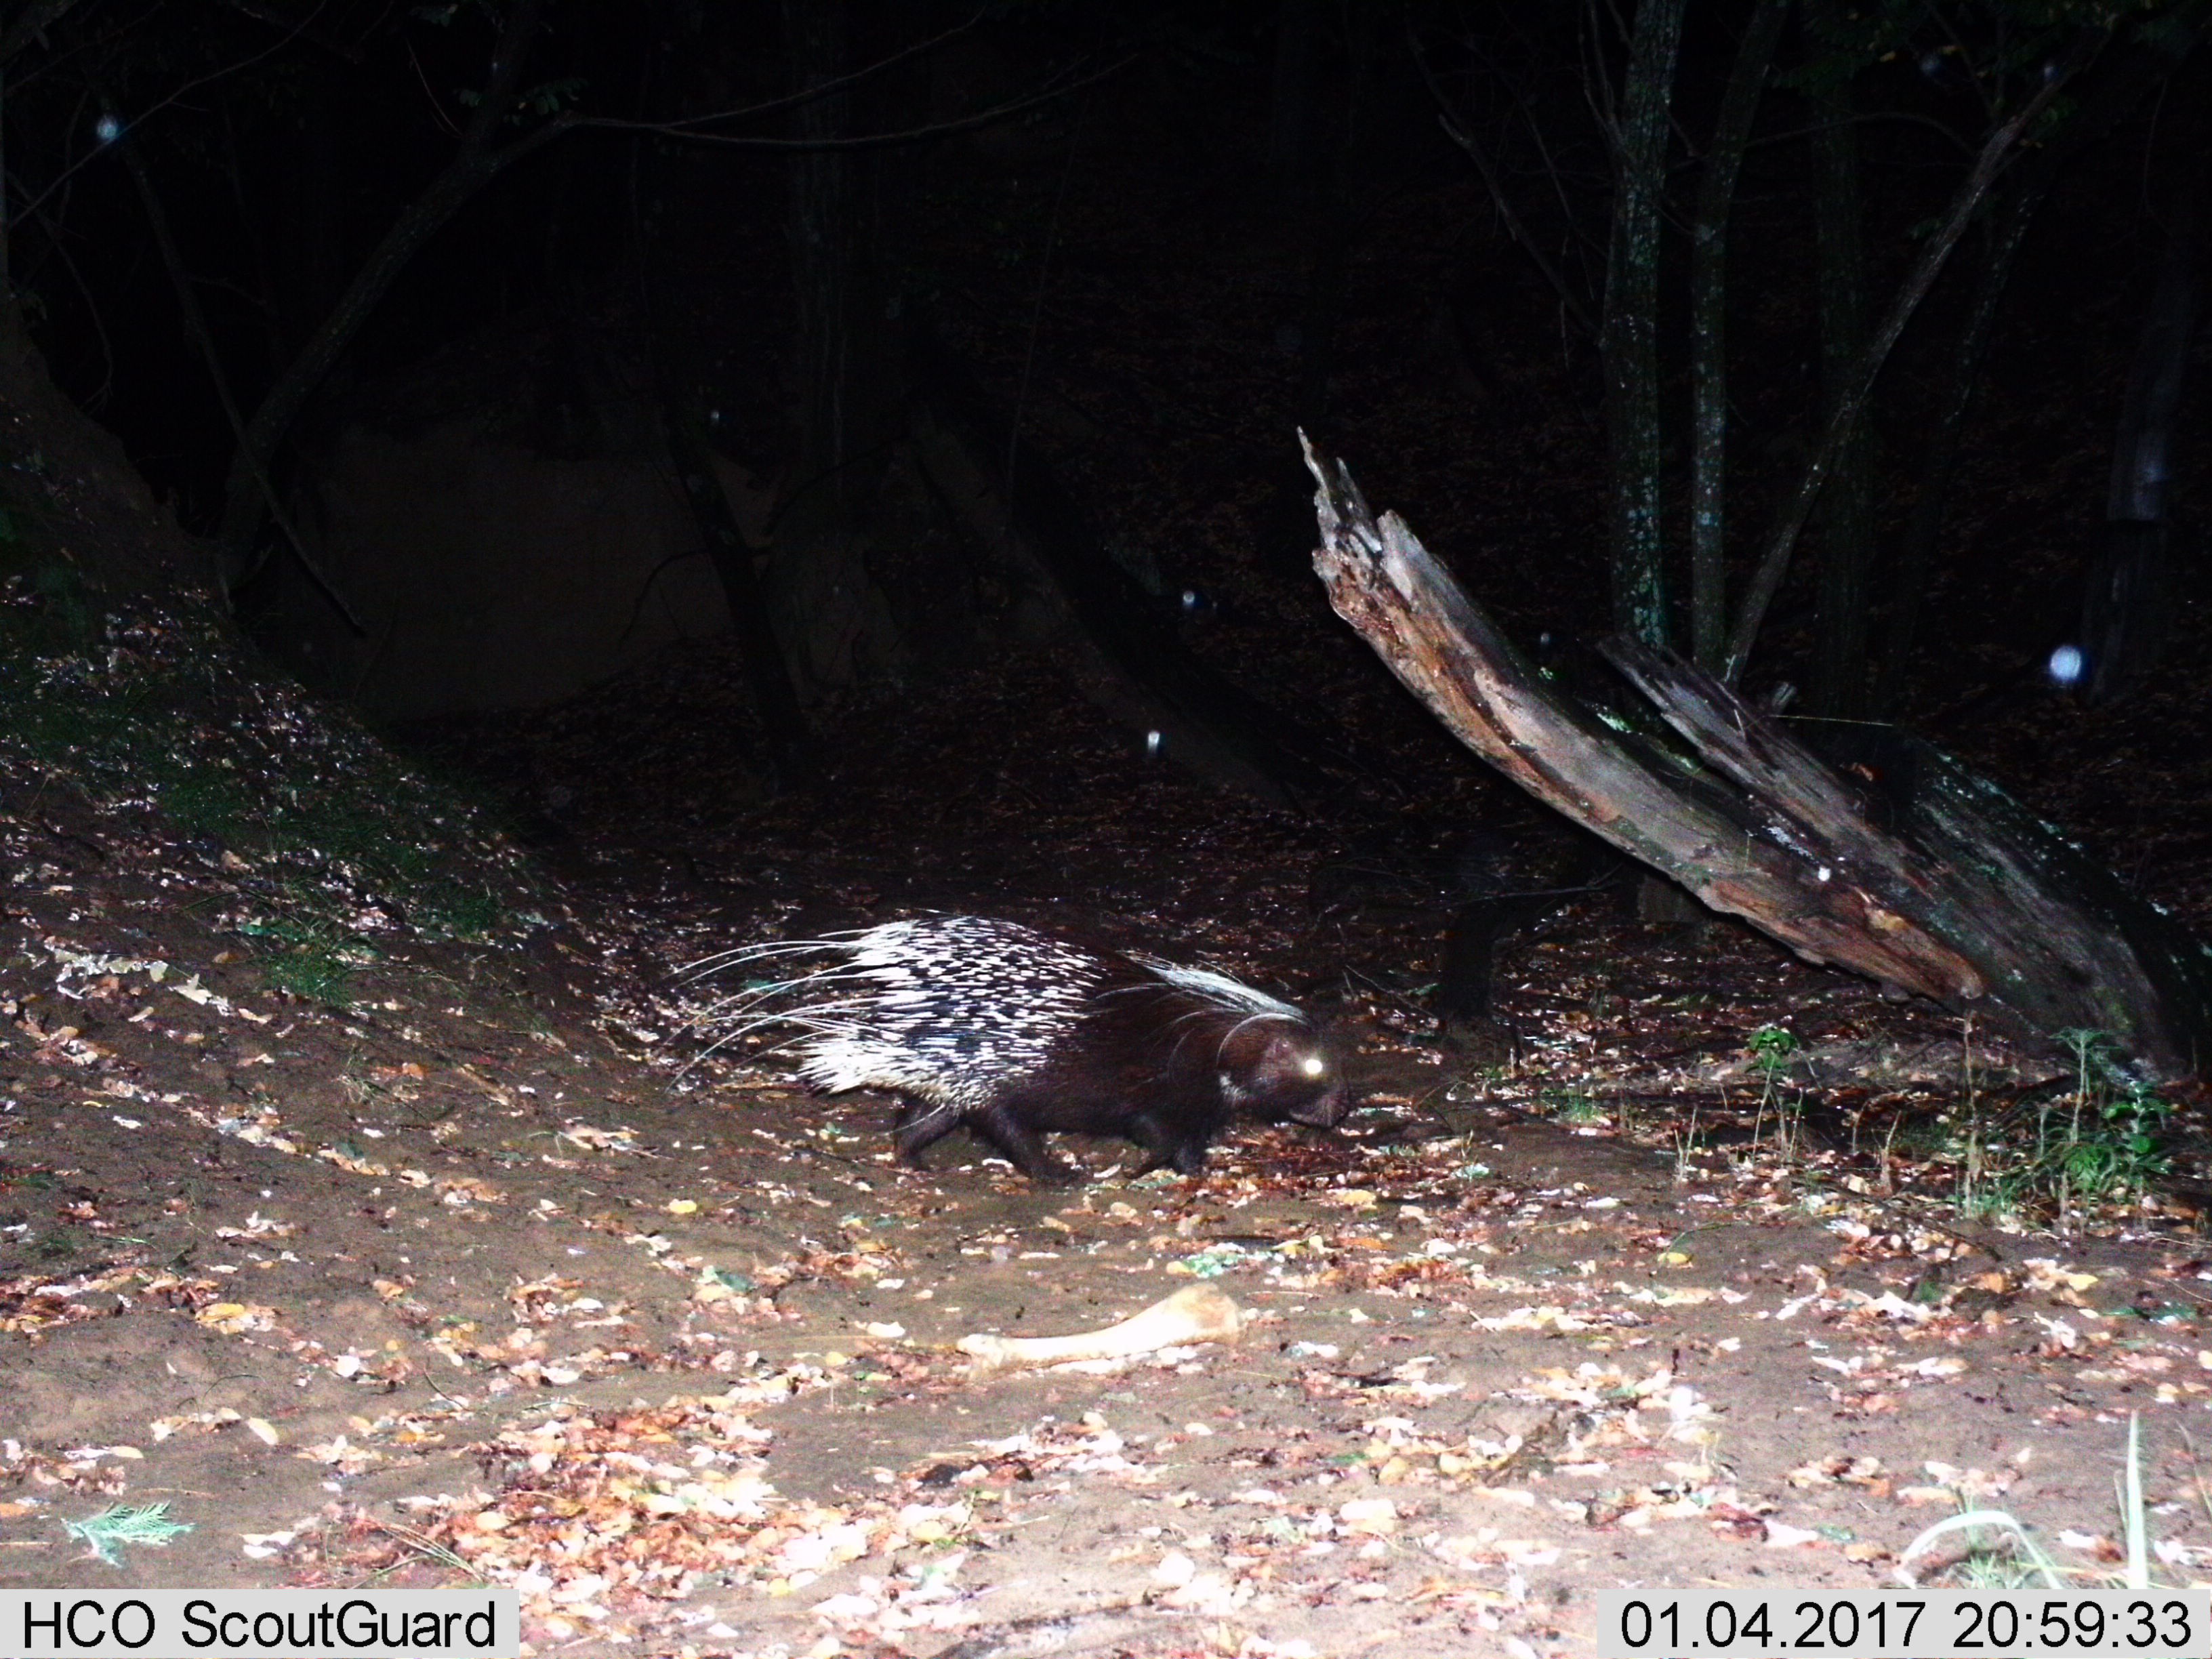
(165, 243)
(270, 16)
(1036, 311)
(1872, 118)
(196, 330)
(474, 163)
(837, 84)
(866, 141)
(1989, 97)
(1458, 132)
(437, 108)
(96, 399)
(1774, 564)
(1568, 298)
(1574, 241)
(1866, 118)
(1555, 174)
(60, 54)
(1597, 83)
(91, 155)
(33, 24)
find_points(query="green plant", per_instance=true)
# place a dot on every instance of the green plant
(1577, 1106)
(2115, 1158)
(118, 1525)
(1771, 1048)
(1686, 1151)
(1986, 1566)
(304, 950)
(310, 975)
(2095, 1146)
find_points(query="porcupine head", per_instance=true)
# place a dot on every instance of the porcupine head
(1281, 1069)
(1198, 1048)
(1166, 1057)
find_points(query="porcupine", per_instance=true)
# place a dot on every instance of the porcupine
(1012, 1032)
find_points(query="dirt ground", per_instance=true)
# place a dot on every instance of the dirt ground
(479, 1276)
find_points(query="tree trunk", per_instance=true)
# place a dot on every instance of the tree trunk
(2113, 92)
(1913, 570)
(2142, 448)
(2124, 608)
(1941, 886)
(1095, 622)
(827, 608)
(1294, 97)
(1629, 339)
(1846, 517)
(1709, 332)
(822, 230)
(790, 744)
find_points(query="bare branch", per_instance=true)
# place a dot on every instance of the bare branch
(474, 163)
(1774, 564)
(826, 88)
(1461, 134)
(32, 25)
(996, 114)
(155, 108)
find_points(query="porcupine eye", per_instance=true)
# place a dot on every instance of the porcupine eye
(1286, 1076)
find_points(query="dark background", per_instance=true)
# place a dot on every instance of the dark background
(1137, 246)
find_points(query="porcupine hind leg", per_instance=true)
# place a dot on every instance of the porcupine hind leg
(1001, 1126)
(920, 1124)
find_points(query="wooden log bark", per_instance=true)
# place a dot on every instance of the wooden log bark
(1943, 888)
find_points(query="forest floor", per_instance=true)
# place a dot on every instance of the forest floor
(466, 1267)
(375, 1255)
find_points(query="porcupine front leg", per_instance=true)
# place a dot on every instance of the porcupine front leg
(1164, 1147)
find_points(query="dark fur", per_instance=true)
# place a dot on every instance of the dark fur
(1150, 1063)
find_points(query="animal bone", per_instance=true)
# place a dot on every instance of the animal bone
(1197, 1313)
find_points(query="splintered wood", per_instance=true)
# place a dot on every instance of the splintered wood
(1945, 887)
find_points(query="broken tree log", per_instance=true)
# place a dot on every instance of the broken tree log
(1929, 880)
